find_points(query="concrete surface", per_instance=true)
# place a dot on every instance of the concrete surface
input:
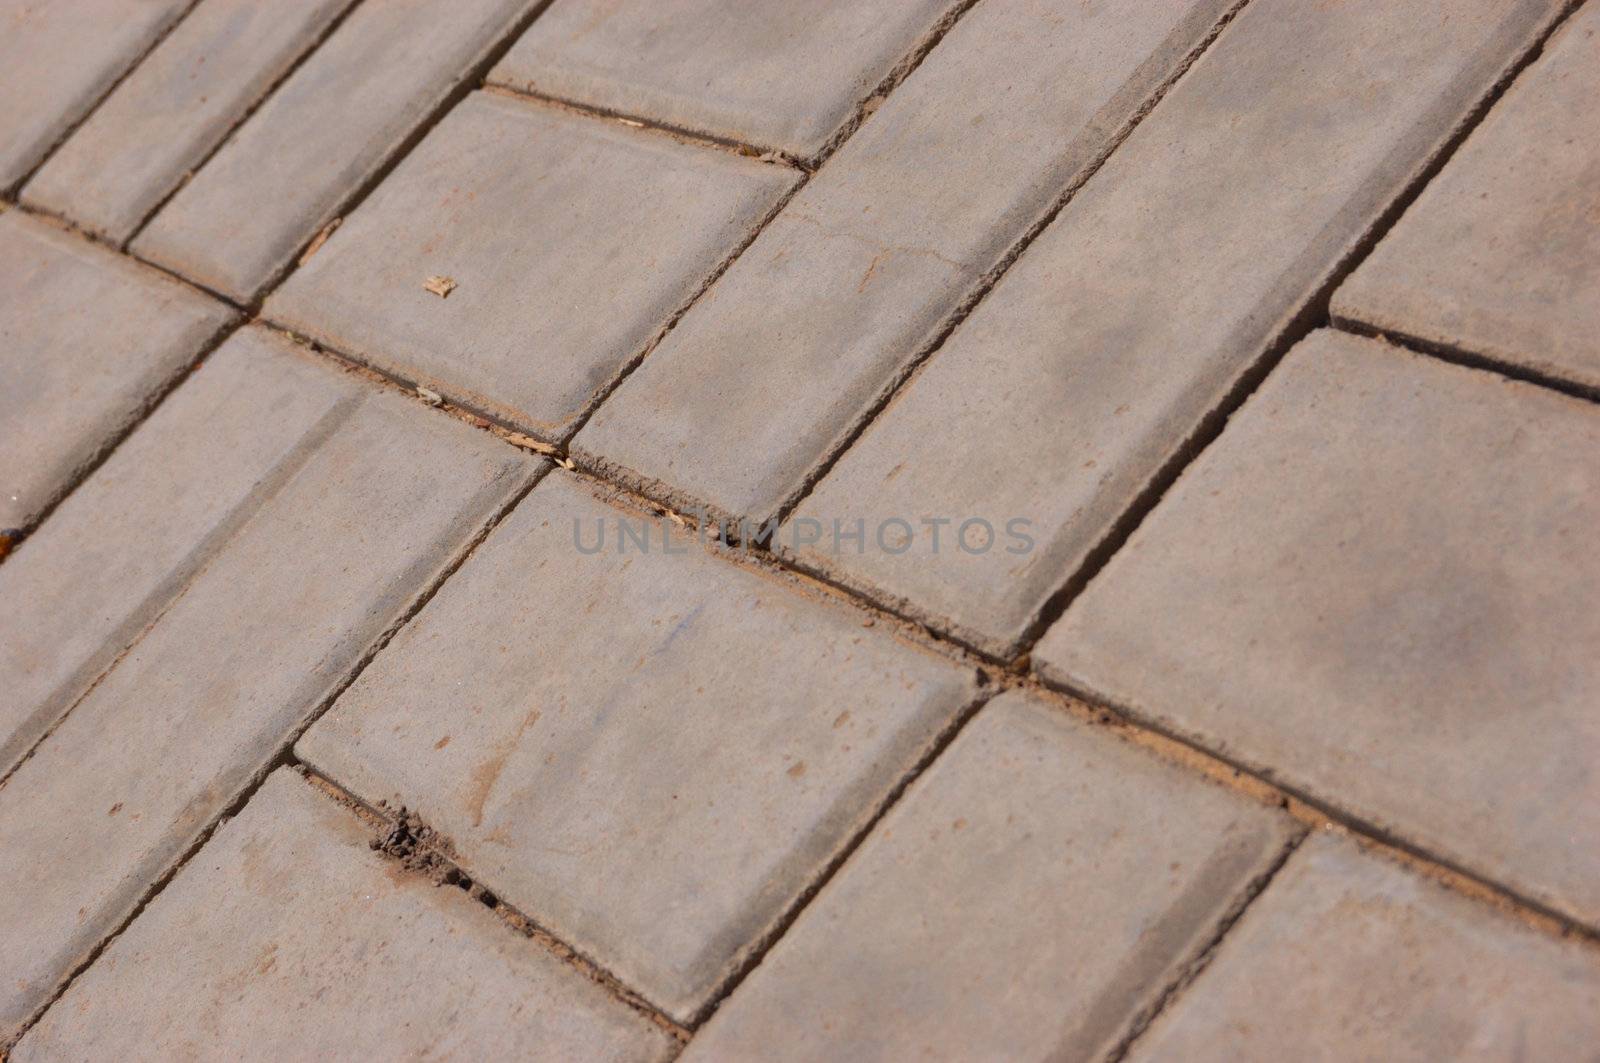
(773, 369)
(1177, 266)
(779, 77)
(1500, 256)
(87, 341)
(1035, 889)
(197, 706)
(124, 545)
(288, 171)
(1407, 548)
(163, 120)
(1346, 956)
(531, 212)
(58, 59)
(651, 755)
(296, 941)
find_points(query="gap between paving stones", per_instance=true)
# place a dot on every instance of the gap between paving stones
(450, 873)
(284, 754)
(12, 192)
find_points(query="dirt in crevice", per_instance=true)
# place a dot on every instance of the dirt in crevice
(418, 847)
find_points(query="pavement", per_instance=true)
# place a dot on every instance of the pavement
(968, 529)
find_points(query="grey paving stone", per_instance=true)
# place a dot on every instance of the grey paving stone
(651, 755)
(335, 123)
(1154, 292)
(778, 76)
(1037, 887)
(125, 543)
(199, 704)
(57, 59)
(87, 340)
(570, 241)
(178, 105)
(1500, 256)
(1379, 586)
(286, 937)
(791, 347)
(1346, 956)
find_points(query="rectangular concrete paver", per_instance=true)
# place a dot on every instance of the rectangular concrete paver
(199, 704)
(88, 340)
(570, 242)
(57, 59)
(1034, 890)
(287, 171)
(125, 543)
(286, 937)
(1500, 256)
(1156, 290)
(1379, 585)
(774, 367)
(178, 105)
(652, 755)
(1347, 956)
(777, 76)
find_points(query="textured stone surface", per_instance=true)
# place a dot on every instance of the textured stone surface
(777, 76)
(790, 348)
(571, 241)
(206, 696)
(1155, 290)
(338, 119)
(1347, 956)
(286, 937)
(124, 544)
(652, 755)
(57, 59)
(1379, 585)
(87, 340)
(180, 102)
(1040, 884)
(1500, 256)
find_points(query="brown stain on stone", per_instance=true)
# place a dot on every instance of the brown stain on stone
(487, 774)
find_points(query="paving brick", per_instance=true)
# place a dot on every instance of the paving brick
(299, 942)
(257, 641)
(1038, 886)
(334, 124)
(1379, 585)
(781, 77)
(1094, 360)
(178, 105)
(651, 755)
(1500, 256)
(57, 59)
(1346, 956)
(123, 545)
(87, 341)
(571, 242)
(772, 368)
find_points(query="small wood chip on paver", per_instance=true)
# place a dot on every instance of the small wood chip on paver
(567, 244)
(1500, 255)
(123, 545)
(333, 124)
(287, 937)
(198, 705)
(173, 109)
(782, 76)
(87, 340)
(1379, 585)
(1037, 888)
(651, 755)
(794, 344)
(54, 67)
(1164, 281)
(1348, 956)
